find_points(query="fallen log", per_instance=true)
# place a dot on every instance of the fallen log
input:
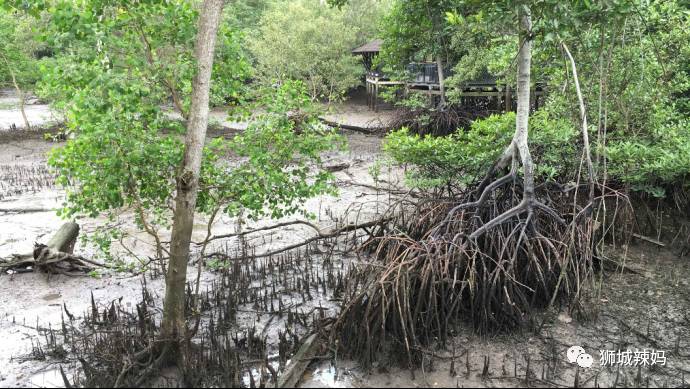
(365, 130)
(337, 167)
(294, 371)
(27, 210)
(65, 238)
(57, 256)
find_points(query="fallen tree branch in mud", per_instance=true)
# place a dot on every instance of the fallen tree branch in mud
(27, 210)
(649, 240)
(300, 361)
(398, 191)
(55, 257)
(337, 167)
(294, 371)
(366, 130)
(320, 235)
(267, 228)
(609, 264)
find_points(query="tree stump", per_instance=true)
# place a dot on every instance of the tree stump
(57, 256)
(65, 238)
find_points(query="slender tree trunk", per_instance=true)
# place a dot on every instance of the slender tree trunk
(22, 98)
(174, 326)
(441, 82)
(519, 145)
(583, 122)
(22, 104)
(523, 102)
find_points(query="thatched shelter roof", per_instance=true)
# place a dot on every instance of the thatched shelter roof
(370, 47)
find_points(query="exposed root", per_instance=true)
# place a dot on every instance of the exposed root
(527, 206)
(237, 345)
(440, 122)
(320, 235)
(55, 257)
(448, 266)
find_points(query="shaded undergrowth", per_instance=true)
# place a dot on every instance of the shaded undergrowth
(425, 120)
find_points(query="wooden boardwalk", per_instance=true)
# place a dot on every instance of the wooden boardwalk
(504, 93)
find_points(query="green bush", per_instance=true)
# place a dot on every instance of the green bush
(655, 163)
(308, 41)
(652, 162)
(465, 156)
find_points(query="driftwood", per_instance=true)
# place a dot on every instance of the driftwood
(650, 240)
(26, 210)
(57, 256)
(300, 361)
(336, 167)
(366, 130)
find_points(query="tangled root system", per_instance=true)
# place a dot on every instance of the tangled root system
(431, 276)
(437, 122)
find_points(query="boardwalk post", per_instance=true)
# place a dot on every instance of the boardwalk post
(376, 94)
(509, 97)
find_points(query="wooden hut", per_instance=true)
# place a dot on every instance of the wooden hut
(423, 78)
(369, 51)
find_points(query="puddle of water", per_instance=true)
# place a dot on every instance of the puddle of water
(325, 377)
(51, 296)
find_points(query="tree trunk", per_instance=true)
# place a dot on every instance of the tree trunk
(523, 102)
(583, 125)
(65, 238)
(174, 326)
(441, 82)
(22, 98)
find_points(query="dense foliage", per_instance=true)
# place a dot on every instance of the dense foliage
(122, 76)
(315, 50)
(20, 50)
(633, 68)
(462, 158)
(121, 73)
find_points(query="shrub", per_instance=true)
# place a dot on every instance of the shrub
(464, 157)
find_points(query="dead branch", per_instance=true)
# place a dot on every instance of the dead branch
(366, 130)
(300, 361)
(374, 187)
(320, 235)
(650, 240)
(267, 228)
(26, 210)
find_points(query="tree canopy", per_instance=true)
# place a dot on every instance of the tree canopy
(315, 50)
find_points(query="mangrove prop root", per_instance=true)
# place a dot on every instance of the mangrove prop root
(492, 263)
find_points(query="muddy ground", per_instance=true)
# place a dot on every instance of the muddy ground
(647, 307)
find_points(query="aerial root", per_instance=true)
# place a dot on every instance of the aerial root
(508, 178)
(443, 265)
(524, 206)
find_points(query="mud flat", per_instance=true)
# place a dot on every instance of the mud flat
(39, 114)
(34, 301)
(647, 308)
